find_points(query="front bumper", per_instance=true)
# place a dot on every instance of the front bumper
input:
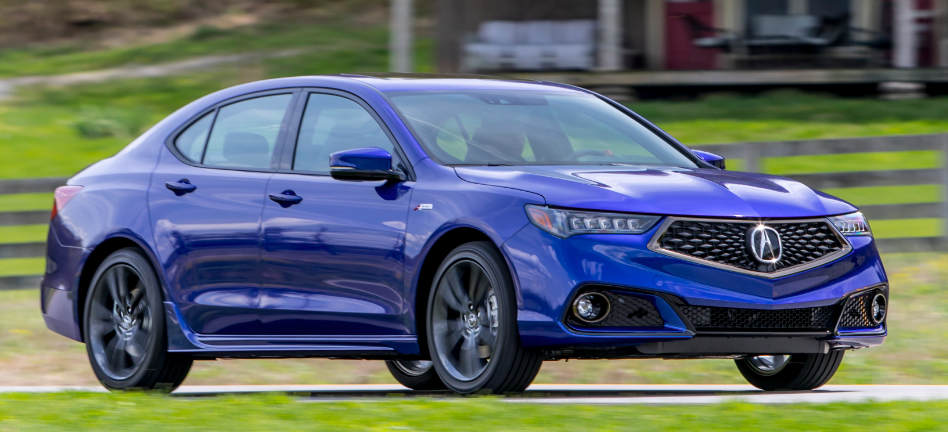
(550, 272)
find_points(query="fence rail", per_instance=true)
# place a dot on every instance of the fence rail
(751, 153)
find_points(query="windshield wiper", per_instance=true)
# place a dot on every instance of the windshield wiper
(499, 164)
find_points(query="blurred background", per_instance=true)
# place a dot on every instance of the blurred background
(844, 95)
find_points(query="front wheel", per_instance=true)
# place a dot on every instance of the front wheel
(790, 372)
(124, 327)
(472, 324)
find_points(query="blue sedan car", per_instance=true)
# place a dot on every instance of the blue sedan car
(463, 229)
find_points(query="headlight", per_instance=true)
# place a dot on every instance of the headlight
(564, 223)
(853, 224)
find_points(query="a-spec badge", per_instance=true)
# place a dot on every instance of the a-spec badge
(763, 242)
(424, 207)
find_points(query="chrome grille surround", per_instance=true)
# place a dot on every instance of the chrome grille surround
(739, 260)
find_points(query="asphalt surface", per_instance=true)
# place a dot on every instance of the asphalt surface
(572, 394)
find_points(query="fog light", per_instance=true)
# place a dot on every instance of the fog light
(591, 307)
(878, 308)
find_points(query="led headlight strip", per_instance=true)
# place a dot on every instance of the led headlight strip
(565, 223)
(853, 224)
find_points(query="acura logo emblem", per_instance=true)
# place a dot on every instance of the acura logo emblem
(763, 242)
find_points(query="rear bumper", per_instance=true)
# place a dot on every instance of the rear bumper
(58, 294)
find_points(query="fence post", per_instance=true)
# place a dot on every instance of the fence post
(752, 154)
(944, 191)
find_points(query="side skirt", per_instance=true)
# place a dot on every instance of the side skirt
(182, 340)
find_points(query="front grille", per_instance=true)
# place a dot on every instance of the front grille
(725, 243)
(857, 312)
(625, 311)
(729, 319)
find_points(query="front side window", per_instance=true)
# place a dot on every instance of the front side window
(244, 134)
(331, 124)
(535, 127)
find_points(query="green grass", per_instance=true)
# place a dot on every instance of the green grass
(83, 411)
(26, 202)
(75, 57)
(789, 115)
(22, 266)
(23, 233)
(862, 196)
(899, 228)
(852, 162)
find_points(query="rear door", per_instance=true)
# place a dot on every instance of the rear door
(205, 200)
(333, 263)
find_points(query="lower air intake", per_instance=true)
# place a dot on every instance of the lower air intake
(729, 319)
(858, 312)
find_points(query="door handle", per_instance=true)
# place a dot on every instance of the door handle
(286, 198)
(181, 187)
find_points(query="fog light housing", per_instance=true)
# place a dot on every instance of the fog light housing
(591, 307)
(878, 309)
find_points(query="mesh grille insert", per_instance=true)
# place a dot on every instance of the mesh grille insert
(857, 312)
(714, 318)
(725, 243)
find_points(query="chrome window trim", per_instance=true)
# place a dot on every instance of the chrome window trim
(654, 245)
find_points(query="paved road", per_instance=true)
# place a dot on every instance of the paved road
(575, 394)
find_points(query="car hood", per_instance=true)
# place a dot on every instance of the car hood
(663, 190)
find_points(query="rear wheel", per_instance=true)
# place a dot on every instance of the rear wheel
(124, 327)
(415, 374)
(790, 372)
(472, 328)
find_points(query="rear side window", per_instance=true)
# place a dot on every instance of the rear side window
(191, 142)
(331, 124)
(244, 133)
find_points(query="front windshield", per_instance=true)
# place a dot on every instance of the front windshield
(535, 127)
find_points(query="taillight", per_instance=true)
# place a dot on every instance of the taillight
(62, 196)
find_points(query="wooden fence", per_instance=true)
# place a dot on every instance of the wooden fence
(751, 154)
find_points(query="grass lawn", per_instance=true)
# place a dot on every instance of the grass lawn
(915, 352)
(23, 233)
(22, 267)
(26, 202)
(61, 58)
(80, 411)
(788, 115)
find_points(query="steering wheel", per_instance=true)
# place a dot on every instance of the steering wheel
(588, 152)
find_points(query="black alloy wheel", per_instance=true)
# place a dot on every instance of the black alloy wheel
(472, 328)
(790, 372)
(124, 327)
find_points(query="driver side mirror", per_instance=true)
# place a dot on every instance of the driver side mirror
(370, 163)
(711, 158)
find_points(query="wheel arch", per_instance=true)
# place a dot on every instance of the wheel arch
(435, 255)
(99, 253)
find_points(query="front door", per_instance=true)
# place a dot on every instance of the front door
(333, 263)
(205, 200)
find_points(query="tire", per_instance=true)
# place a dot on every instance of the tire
(415, 374)
(472, 324)
(126, 340)
(798, 372)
